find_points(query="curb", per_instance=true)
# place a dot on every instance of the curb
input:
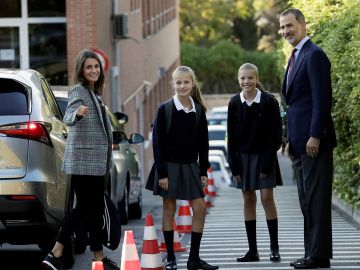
(349, 210)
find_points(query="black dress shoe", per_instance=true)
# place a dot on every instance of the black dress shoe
(200, 265)
(275, 256)
(249, 257)
(297, 261)
(312, 263)
(171, 265)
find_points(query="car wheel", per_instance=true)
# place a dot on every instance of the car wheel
(135, 210)
(124, 207)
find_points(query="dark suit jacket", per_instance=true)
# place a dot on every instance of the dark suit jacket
(309, 100)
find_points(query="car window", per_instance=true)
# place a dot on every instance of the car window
(13, 98)
(62, 104)
(50, 99)
(217, 135)
(215, 166)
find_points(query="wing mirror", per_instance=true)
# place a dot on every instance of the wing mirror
(121, 117)
(136, 138)
(118, 137)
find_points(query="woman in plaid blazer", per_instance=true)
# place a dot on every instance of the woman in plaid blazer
(87, 158)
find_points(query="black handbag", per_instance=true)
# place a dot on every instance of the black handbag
(111, 230)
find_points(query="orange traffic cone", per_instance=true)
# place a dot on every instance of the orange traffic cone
(150, 257)
(177, 243)
(211, 184)
(129, 255)
(207, 198)
(184, 219)
(97, 265)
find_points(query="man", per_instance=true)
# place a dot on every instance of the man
(311, 137)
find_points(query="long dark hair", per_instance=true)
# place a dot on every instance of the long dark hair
(79, 74)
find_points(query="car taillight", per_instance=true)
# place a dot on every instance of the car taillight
(31, 130)
(23, 197)
(115, 147)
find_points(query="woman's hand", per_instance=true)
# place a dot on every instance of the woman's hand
(204, 181)
(237, 178)
(164, 183)
(82, 111)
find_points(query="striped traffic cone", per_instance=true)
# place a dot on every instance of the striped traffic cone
(184, 218)
(177, 244)
(207, 198)
(211, 184)
(150, 257)
(97, 265)
(129, 255)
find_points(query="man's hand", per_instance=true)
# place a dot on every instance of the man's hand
(312, 147)
(237, 178)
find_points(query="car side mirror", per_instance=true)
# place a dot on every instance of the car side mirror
(136, 138)
(121, 117)
(118, 137)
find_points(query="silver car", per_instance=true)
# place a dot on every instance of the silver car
(124, 186)
(34, 192)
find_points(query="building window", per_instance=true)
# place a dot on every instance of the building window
(46, 8)
(35, 32)
(10, 8)
(156, 14)
(47, 50)
(9, 47)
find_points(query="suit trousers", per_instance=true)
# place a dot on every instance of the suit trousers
(314, 178)
(89, 207)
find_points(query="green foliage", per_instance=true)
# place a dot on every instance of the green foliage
(216, 67)
(335, 27)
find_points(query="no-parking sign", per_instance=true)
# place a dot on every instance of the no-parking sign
(103, 58)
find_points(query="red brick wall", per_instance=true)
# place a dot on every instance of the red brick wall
(81, 29)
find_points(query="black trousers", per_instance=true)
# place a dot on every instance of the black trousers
(89, 190)
(314, 178)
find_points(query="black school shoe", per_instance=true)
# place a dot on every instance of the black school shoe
(275, 256)
(312, 263)
(249, 257)
(52, 263)
(200, 265)
(171, 265)
(109, 264)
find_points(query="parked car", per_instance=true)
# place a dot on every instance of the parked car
(219, 145)
(217, 120)
(219, 172)
(220, 153)
(221, 110)
(35, 194)
(124, 186)
(217, 132)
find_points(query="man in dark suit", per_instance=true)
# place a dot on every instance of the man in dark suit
(311, 137)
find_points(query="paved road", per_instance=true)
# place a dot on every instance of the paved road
(225, 237)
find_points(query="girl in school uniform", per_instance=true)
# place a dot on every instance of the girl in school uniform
(254, 136)
(181, 162)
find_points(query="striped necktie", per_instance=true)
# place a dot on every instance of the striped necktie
(291, 64)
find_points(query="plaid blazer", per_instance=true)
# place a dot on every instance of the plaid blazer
(89, 142)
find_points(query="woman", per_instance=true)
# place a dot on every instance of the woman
(87, 158)
(178, 144)
(254, 136)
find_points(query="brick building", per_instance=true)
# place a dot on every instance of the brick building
(138, 38)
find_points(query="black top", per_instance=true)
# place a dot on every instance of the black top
(254, 129)
(183, 143)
